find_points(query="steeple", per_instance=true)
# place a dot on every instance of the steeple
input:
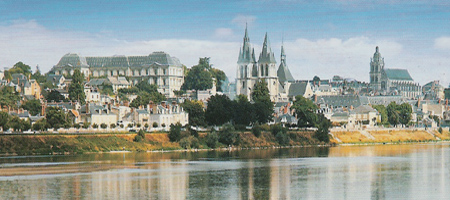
(246, 54)
(283, 72)
(266, 55)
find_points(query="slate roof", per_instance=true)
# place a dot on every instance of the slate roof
(283, 72)
(340, 101)
(364, 109)
(54, 78)
(266, 55)
(298, 88)
(159, 58)
(398, 74)
(72, 59)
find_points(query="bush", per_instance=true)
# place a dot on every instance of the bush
(121, 125)
(112, 125)
(140, 136)
(275, 129)
(86, 125)
(146, 125)
(130, 125)
(94, 125)
(212, 139)
(440, 130)
(256, 130)
(175, 132)
(239, 127)
(193, 132)
(103, 126)
(77, 126)
(155, 124)
(189, 142)
(282, 138)
(227, 135)
(163, 125)
(138, 125)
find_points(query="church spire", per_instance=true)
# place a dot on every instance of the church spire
(246, 54)
(266, 55)
(283, 72)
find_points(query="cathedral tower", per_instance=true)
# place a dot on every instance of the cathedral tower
(376, 70)
(267, 68)
(247, 69)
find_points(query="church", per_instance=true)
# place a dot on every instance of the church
(391, 81)
(250, 70)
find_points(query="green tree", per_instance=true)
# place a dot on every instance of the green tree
(244, 113)
(323, 126)
(39, 77)
(196, 113)
(40, 125)
(393, 114)
(55, 117)
(219, 110)
(4, 119)
(33, 106)
(55, 96)
(305, 110)
(220, 77)
(199, 77)
(263, 106)
(175, 132)
(227, 135)
(212, 139)
(383, 112)
(76, 88)
(9, 97)
(15, 123)
(144, 98)
(140, 136)
(20, 68)
(404, 111)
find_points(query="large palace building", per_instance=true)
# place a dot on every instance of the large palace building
(159, 68)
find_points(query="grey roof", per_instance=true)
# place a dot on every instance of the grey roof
(364, 109)
(298, 88)
(286, 117)
(340, 101)
(118, 80)
(54, 78)
(398, 74)
(266, 55)
(159, 58)
(279, 104)
(142, 111)
(72, 59)
(98, 81)
(283, 72)
(246, 54)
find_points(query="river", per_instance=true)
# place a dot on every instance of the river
(413, 171)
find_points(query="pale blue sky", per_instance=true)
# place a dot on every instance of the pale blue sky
(321, 37)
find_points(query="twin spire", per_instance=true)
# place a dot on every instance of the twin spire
(247, 54)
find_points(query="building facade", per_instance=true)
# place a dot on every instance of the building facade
(250, 71)
(391, 81)
(158, 68)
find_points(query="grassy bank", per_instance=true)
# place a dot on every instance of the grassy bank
(388, 136)
(76, 144)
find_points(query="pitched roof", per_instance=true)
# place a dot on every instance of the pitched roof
(398, 74)
(159, 58)
(364, 109)
(266, 55)
(298, 88)
(341, 101)
(283, 72)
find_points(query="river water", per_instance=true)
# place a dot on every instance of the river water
(416, 171)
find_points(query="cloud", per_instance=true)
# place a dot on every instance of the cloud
(33, 44)
(223, 33)
(442, 43)
(243, 20)
(328, 57)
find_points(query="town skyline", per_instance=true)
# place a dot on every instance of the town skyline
(323, 38)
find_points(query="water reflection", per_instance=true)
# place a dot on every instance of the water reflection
(345, 172)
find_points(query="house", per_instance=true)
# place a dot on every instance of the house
(57, 80)
(299, 88)
(32, 88)
(434, 89)
(97, 114)
(366, 115)
(118, 83)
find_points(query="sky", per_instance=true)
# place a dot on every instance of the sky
(323, 38)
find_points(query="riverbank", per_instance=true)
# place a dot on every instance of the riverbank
(82, 143)
(123, 142)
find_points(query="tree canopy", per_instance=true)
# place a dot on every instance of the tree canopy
(33, 106)
(263, 106)
(200, 76)
(76, 88)
(305, 110)
(9, 97)
(219, 110)
(196, 113)
(399, 114)
(244, 111)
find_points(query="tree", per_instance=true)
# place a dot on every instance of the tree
(220, 77)
(55, 96)
(219, 110)
(38, 76)
(9, 97)
(212, 139)
(76, 88)
(103, 125)
(33, 106)
(144, 98)
(383, 112)
(393, 114)
(196, 113)
(140, 136)
(20, 68)
(305, 110)
(244, 112)
(263, 106)
(175, 132)
(4, 119)
(405, 111)
(323, 126)
(55, 117)
(15, 123)
(40, 125)
(198, 77)
(227, 135)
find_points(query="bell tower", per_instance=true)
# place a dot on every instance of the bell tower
(376, 69)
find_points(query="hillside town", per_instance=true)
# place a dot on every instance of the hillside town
(151, 92)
